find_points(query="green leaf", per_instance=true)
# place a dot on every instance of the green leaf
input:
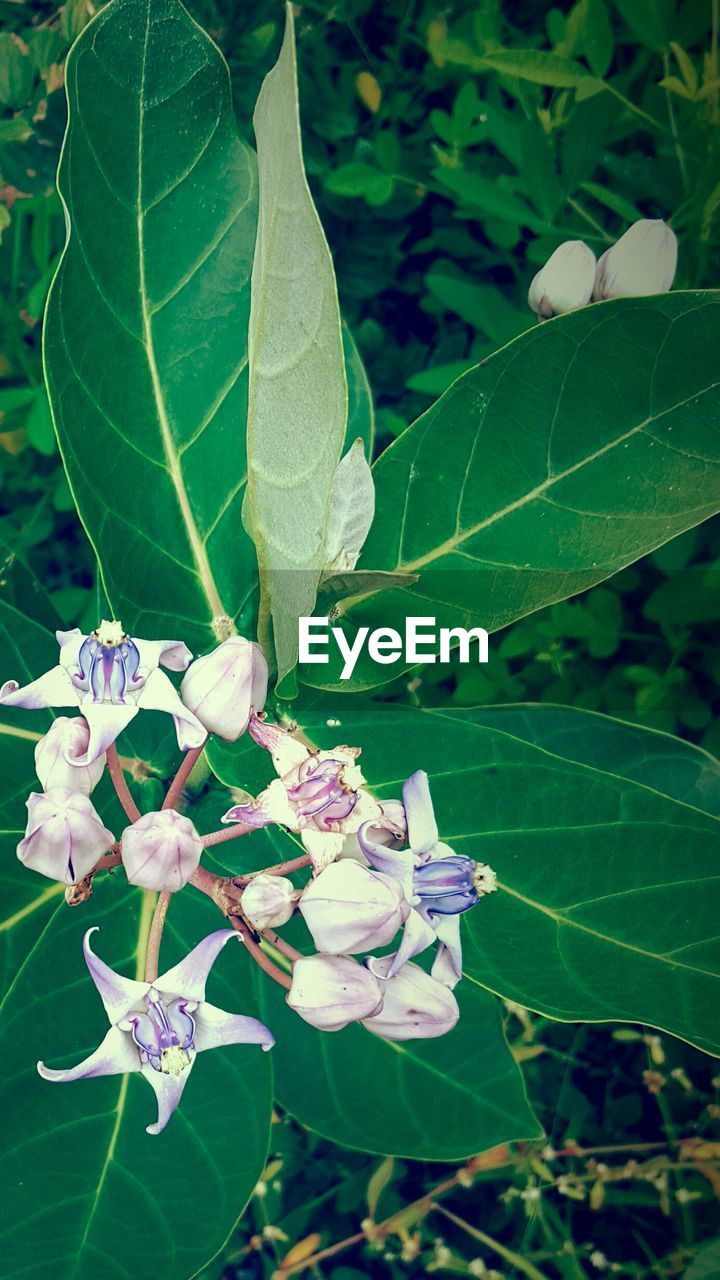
(568, 462)
(146, 329)
(16, 73)
(83, 1182)
(536, 65)
(648, 20)
(605, 909)
(361, 411)
(297, 410)
(426, 1099)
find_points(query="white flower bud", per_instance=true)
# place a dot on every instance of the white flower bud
(331, 991)
(161, 851)
(640, 264)
(565, 282)
(224, 688)
(66, 739)
(64, 836)
(268, 901)
(349, 908)
(415, 1006)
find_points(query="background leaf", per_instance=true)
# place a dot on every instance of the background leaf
(297, 411)
(146, 329)
(567, 463)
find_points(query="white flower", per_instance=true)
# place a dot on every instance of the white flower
(64, 836)
(67, 740)
(320, 794)
(565, 282)
(350, 909)
(268, 902)
(111, 676)
(161, 851)
(641, 263)
(331, 991)
(415, 1005)
(224, 688)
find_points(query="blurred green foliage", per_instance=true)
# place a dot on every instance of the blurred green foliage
(450, 148)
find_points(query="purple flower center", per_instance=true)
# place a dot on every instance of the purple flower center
(165, 1035)
(321, 794)
(107, 670)
(446, 886)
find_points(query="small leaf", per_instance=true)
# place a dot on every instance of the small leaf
(16, 72)
(298, 395)
(368, 90)
(377, 1184)
(352, 507)
(536, 65)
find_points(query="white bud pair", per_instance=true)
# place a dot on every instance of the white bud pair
(331, 991)
(642, 263)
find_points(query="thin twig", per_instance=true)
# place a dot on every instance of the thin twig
(281, 945)
(508, 1255)
(279, 869)
(257, 953)
(227, 833)
(121, 787)
(152, 955)
(178, 783)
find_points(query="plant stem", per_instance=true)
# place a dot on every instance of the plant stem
(122, 789)
(282, 946)
(227, 833)
(152, 955)
(179, 782)
(279, 869)
(243, 928)
(508, 1255)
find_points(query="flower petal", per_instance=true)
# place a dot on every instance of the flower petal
(286, 751)
(168, 1090)
(398, 863)
(215, 1027)
(105, 720)
(160, 694)
(53, 689)
(447, 965)
(271, 806)
(421, 824)
(188, 978)
(172, 654)
(418, 934)
(115, 1055)
(117, 993)
(323, 846)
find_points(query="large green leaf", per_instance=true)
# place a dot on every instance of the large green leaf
(86, 1191)
(146, 329)
(574, 450)
(297, 409)
(428, 1099)
(607, 885)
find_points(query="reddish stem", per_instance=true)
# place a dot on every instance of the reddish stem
(121, 787)
(178, 783)
(258, 955)
(279, 869)
(152, 955)
(275, 940)
(227, 833)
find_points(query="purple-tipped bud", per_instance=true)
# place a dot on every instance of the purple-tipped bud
(64, 836)
(349, 908)
(268, 901)
(415, 1006)
(66, 740)
(226, 687)
(161, 851)
(565, 282)
(331, 991)
(641, 263)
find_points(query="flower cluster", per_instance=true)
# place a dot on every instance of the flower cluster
(641, 263)
(380, 875)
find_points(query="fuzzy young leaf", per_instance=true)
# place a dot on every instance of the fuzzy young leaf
(298, 395)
